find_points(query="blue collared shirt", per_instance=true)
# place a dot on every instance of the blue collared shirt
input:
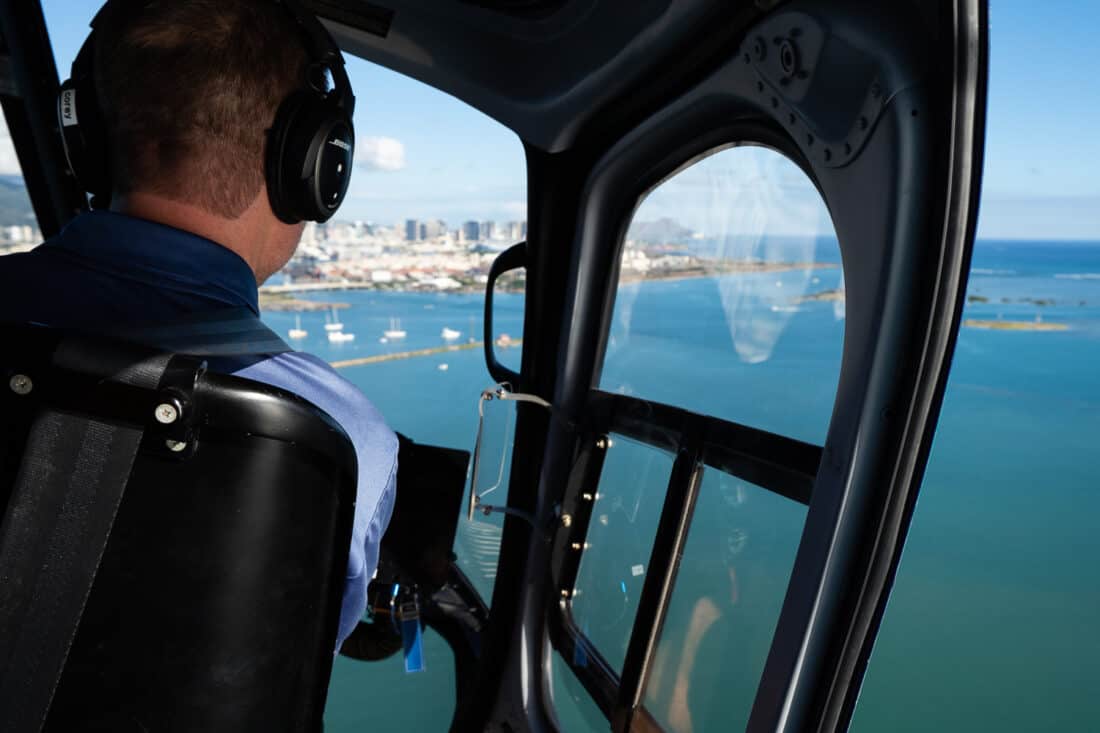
(106, 271)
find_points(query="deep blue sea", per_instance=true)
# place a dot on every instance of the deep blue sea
(994, 623)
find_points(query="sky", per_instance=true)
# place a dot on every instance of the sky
(423, 154)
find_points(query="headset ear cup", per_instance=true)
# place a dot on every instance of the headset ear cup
(309, 160)
(84, 136)
(279, 170)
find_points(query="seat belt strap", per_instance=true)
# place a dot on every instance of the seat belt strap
(52, 538)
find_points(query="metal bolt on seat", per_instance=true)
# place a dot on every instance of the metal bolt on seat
(175, 446)
(166, 414)
(21, 384)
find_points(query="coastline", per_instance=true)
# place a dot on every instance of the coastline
(280, 297)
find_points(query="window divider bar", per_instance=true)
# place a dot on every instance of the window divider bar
(779, 464)
(664, 563)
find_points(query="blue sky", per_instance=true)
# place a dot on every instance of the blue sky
(424, 154)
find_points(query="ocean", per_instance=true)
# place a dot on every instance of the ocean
(992, 624)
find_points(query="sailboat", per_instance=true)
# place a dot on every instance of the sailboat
(297, 332)
(333, 324)
(395, 331)
(336, 334)
(449, 334)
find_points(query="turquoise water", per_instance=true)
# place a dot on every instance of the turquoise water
(993, 620)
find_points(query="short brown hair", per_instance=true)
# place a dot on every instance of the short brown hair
(189, 90)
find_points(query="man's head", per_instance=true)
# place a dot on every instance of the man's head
(188, 91)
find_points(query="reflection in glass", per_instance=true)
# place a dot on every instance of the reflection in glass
(628, 506)
(729, 589)
(508, 298)
(730, 298)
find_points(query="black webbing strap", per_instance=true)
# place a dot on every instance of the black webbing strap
(53, 535)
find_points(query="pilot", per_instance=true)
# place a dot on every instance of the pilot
(188, 94)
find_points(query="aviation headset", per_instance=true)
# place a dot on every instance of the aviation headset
(310, 146)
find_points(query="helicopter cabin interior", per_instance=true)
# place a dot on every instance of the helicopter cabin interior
(877, 109)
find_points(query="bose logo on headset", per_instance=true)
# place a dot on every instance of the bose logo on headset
(306, 179)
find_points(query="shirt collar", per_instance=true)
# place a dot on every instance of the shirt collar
(160, 254)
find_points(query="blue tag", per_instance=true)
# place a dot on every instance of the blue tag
(411, 638)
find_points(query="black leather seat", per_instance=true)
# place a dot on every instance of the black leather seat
(216, 600)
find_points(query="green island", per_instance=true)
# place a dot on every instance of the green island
(827, 296)
(1014, 325)
(1041, 302)
(283, 301)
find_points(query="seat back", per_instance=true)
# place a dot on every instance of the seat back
(217, 596)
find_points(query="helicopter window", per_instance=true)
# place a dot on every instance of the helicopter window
(731, 296)
(18, 226)
(992, 623)
(626, 509)
(729, 589)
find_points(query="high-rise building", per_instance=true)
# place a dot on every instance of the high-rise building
(412, 230)
(433, 228)
(471, 231)
(486, 230)
(515, 231)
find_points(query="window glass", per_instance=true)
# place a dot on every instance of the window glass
(731, 297)
(574, 707)
(732, 579)
(18, 225)
(508, 299)
(366, 696)
(478, 542)
(992, 624)
(401, 268)
(613, 567)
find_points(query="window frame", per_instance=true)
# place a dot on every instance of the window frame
(782, 465)
(904, 211)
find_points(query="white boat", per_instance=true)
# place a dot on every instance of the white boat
(449, 334)
(333, 324)
(444, 367)
(339, 337)
(297, 332)
(395, 331)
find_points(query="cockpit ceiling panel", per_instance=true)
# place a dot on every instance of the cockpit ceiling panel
(541, 67)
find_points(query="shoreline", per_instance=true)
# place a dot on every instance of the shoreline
(279, 297)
